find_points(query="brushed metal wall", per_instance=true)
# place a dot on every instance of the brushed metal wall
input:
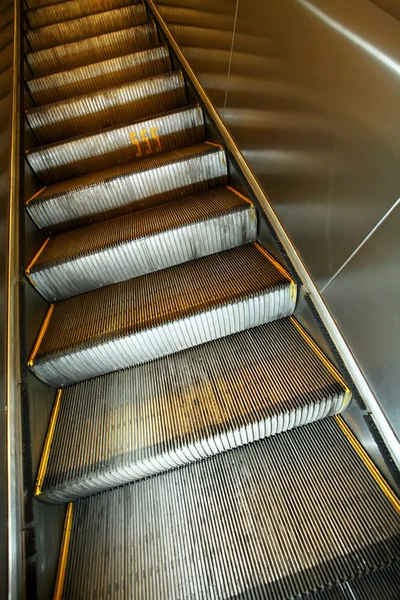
(310, 91)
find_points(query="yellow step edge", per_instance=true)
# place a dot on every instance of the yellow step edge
(380, 480)
(278, 266)
(47, 444)
(244, 198)
(62, 563)
(39, 338)
(34, 195)
(331, 368)
(34, 259)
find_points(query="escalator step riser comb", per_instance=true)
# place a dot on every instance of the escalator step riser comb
(99, 76)
(71, 9)
(91, 26)
(136, 186)
(148, 241)
(105, 108)
(118, 145)
(161, 313)
(276, 519)
(186, 407)
(92, 50)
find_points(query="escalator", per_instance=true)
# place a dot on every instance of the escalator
(196, 433)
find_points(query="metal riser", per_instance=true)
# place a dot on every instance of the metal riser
(275, 519)
(105, 108)
(99, 76)
(129, 188)
(72, 9)
(119, 145)
(142, 243)
(186, 407)
(161, 313)
(91, 26)
(92, 50)
(41, 3)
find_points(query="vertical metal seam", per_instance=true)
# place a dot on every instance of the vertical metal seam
(228, 77)
(47, 444)
(62, 563)
(380, 480)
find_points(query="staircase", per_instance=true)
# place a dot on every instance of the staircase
(172, 341)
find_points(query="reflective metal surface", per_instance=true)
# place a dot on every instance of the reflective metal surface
(312, 102)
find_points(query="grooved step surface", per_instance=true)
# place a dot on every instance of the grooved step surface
(92, 50)
(105, 108)
(117, 145)
(87, 27)
(275, 519)
(138, 185)
(186, 407)
(161, 313)
(99, 76)
(147, 241)
(71, 9)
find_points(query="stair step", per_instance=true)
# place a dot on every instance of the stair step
(155, 315)
(92, 50)
(99, 76)
(86, 27)
(136, 186)
(41, 3)
(119, 249)
(117, 145)
(113, 106)
(71, 9)
(185, 407)
(279, 518)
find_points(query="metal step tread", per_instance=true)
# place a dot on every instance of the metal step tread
(71, 9)
(104, 108)
(86, 27)
(186, 407)
(161, 313)
(100, 75)
(274, 519)
(140, 243)
(135, 186)
(107, 147)
(92, 50)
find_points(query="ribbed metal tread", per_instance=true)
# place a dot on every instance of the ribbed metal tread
(99, 76)
(120, 190)
(155, 315)
(105, 108)
(118, 145)
(86, 27)
(71, 9)
(185, 407)
(115, 250)
(383, 584)
(92, 50)
(275, 519)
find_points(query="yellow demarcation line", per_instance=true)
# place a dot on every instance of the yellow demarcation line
(331, 368)
(293, 286)
(214, 144)
(47, 444)
(42, 331)
(231, 189)
(34, 195)
(380, 480)
(62, 563)
(34, 259)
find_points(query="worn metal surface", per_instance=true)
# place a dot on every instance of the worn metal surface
(154, 315)
(217, 526)
(119, 249)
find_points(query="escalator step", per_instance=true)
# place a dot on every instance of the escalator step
(86, 27)
(41, 3)
(275, 519)
(92, 50)
(138, 185)
(99, 76)
(155, 315)
(113, 106)
(186, 407)
(105, 253)
(71, 9)
(117, 145)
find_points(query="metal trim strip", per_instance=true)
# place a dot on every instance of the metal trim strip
(47, 444)
(62, 564)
